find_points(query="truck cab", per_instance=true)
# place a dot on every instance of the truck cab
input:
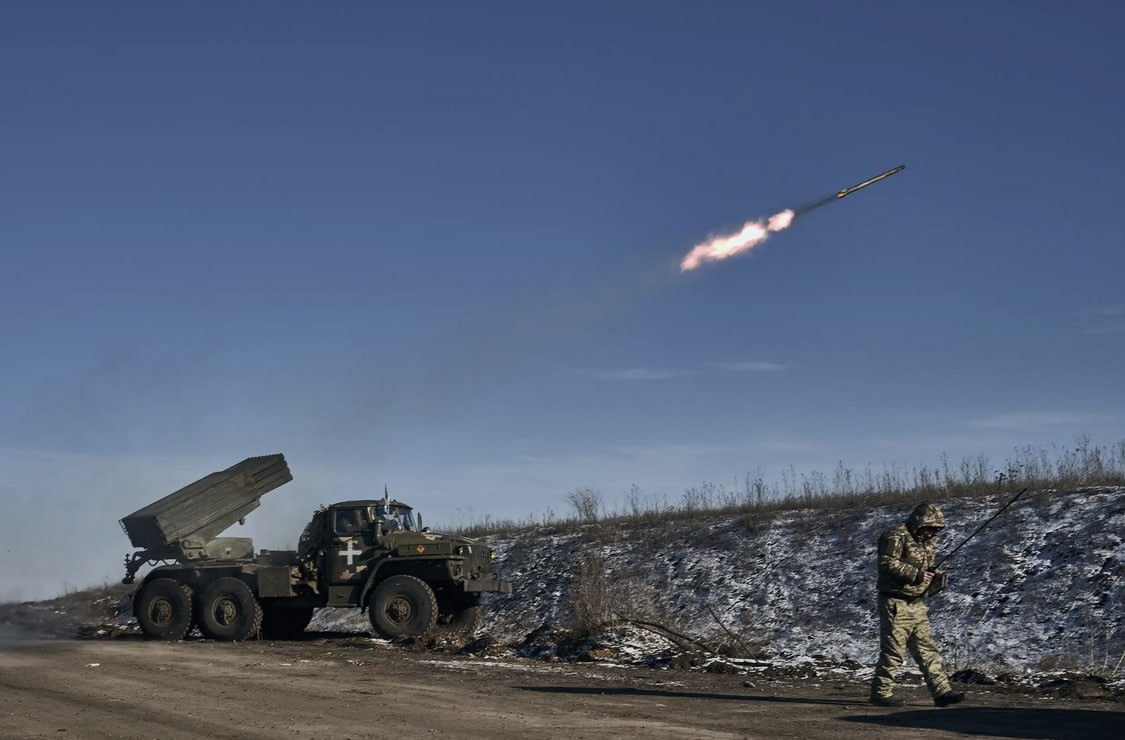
(375, 553)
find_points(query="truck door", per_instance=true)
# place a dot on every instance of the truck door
(352, 539)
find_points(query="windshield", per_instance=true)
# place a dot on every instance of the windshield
(393, 517)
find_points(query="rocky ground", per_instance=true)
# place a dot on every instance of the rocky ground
(104, 615)
(352, 686)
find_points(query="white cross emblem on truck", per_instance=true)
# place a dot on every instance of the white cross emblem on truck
(351, 552)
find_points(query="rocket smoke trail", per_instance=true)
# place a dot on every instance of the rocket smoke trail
(754, 232)
(813, 206)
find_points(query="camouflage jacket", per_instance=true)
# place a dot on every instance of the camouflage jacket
(903, 562)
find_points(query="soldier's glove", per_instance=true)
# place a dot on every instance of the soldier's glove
(937, 583)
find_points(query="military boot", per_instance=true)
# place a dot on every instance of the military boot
(887, 701)
(949, 697)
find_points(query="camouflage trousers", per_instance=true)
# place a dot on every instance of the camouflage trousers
(905, 625)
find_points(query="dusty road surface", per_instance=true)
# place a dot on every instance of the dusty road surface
(353, 687)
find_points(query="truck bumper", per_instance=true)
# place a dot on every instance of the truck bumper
(488, 584)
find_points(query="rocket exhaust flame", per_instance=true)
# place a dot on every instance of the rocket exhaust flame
(754, 232)
(721, 247)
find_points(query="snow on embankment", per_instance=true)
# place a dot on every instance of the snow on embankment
(1042, 585)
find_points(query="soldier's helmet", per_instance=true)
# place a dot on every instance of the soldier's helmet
(925, 515)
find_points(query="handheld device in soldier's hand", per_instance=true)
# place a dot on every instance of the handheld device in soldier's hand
(937, 583)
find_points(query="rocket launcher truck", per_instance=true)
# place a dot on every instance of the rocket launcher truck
(369, 554)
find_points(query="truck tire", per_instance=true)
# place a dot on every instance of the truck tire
(281, 623)
(163, 609)
(403, 606)
(228, 611)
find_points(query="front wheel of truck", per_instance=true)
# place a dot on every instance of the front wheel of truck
(163, 609)
(403, 606)
(228, 611)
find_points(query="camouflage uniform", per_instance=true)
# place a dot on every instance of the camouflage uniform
(903, 620)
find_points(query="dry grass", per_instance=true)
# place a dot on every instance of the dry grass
(590, 595)
(74, 614)
(1078, 466)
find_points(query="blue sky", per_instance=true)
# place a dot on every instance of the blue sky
(434, 246)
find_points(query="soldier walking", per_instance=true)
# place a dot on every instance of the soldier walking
(906, 576)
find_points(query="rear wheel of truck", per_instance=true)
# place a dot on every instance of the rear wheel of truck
(281, 623)
(403, 606)
(228, 611)
(163, 609)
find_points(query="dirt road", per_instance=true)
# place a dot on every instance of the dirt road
(352, 687)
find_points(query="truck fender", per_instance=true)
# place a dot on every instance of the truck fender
(373, 579)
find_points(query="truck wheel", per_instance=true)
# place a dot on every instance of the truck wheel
(281, 623)
(163, 609)
(228, 611)
(403, 606)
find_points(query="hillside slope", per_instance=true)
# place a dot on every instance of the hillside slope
(1040, 588)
